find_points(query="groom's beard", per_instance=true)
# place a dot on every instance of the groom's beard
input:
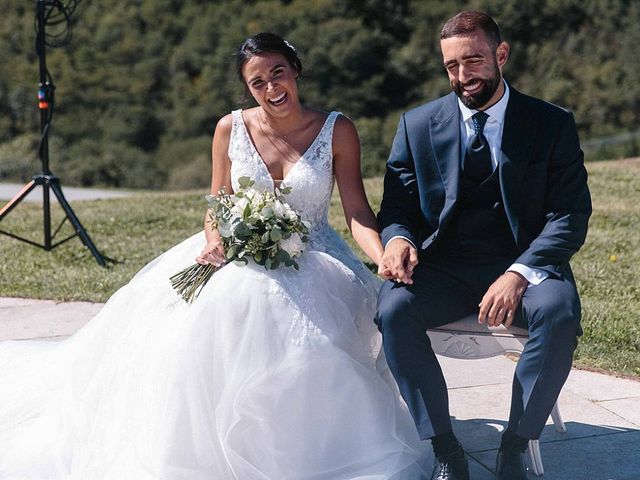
(489, 87)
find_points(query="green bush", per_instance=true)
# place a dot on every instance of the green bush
(18, 158)
(89, 164)
(195, 173)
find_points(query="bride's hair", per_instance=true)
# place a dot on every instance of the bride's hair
(266, 42)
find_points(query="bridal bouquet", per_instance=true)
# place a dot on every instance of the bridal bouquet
(252, 224)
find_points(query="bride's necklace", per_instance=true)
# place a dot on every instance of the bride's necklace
(282, 136)
(284, 148)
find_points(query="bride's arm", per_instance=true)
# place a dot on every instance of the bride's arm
(213, 251)
(358, 214)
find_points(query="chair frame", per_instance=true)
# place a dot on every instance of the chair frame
(469, 340)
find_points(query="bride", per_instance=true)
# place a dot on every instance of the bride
(268, 375)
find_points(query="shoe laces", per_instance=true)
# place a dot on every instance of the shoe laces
(443, 467)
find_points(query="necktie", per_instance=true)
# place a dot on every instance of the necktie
(477, 161)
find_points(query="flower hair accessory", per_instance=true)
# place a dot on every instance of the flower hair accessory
(289, 45)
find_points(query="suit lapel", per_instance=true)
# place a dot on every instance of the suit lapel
(517, 148)
(445, 141)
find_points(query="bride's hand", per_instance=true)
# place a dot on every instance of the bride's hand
(398, 261)
(213, 253)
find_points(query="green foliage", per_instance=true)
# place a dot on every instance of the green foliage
(607, 269)
(142, 84)
(109, 163)
(17, 157)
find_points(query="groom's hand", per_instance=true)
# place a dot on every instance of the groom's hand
(398, 261)
(502, 298)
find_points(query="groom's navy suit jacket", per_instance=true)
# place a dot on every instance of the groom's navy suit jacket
(542, 179)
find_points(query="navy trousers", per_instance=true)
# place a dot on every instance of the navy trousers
(444, 292)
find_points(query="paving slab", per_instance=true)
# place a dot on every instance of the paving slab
(629, 408)
(470, 373)
(22, 319)
(600, 387)
(479, 471)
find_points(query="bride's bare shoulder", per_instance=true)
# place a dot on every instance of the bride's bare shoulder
(345, 129)
(224, 127)
(225, 123)
(222, 133)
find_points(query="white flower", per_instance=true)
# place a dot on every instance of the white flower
(292, 215)
(280, 209)
(293, 245)
(254, 197)
(239, 207)
(284, 210)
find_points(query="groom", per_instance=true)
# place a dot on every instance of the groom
(485, 201)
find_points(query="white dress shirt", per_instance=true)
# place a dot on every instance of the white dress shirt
(493, 132)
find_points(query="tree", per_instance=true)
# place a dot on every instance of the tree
(142, 84)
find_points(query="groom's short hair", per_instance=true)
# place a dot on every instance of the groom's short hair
(470, 21)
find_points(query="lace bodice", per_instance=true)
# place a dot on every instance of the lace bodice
(310, 178)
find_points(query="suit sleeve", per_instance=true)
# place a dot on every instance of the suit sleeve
(567, 204)
(400, 213)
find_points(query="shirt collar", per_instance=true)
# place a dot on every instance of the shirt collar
(496, 111)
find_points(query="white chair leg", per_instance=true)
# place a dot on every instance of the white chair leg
(557, 419)
(536, 458)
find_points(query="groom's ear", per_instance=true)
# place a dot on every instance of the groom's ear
(502, 53)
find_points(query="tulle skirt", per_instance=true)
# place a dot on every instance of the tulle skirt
(268, 375)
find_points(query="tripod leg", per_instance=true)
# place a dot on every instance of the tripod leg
(17, 198)
(46, 216)
(55, 186)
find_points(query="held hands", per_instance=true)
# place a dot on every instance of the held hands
(212, 253)
(398, 261)
(501, 300)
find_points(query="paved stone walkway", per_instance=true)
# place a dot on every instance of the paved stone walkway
(601, 412)
(9, 190)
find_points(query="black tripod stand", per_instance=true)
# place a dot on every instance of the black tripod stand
(47, 179)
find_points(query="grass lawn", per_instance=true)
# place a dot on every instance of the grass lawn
(135, 230)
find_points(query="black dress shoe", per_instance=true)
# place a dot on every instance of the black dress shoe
(510, 465)
(453, 466)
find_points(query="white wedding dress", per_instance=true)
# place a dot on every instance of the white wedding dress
(268, 375)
